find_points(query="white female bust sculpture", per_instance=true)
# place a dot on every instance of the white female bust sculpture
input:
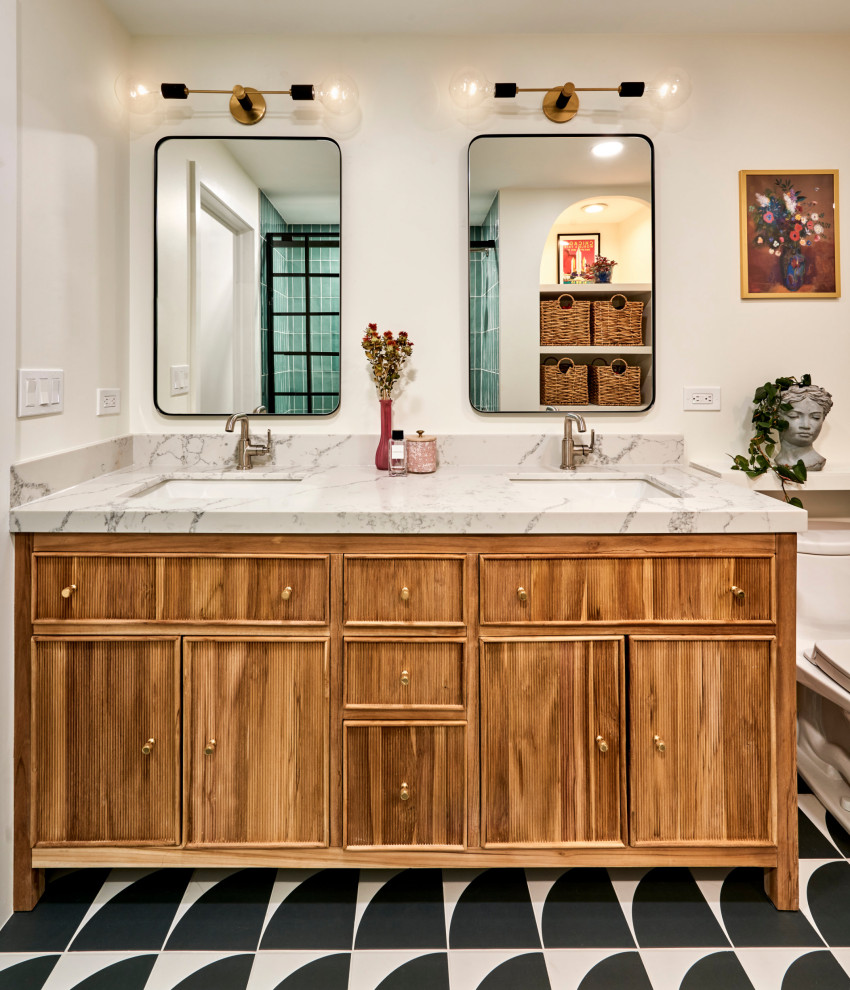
(811, 404)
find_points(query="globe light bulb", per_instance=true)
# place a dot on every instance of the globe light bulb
(338, 94)
(135, 94)
(669, 89)
(469, 88)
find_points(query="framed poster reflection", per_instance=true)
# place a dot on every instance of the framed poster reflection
(575, 253)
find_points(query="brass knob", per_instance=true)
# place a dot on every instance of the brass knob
(660, 745)
(522, 594)
(209, 749)
(148, 746)
(601, 744)
(739, 593)
(404, 793)
(286, 594)
(67, 592)
(405, 594)
(405, 678)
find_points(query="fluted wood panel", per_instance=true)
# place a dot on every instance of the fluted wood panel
(430, 759)
(563, 589)
(544, 780)
(373, 673)
(264, 702)
(373, 587)
(711, 702)
(109, 587)
(248, 589)
(687, 588)
(96, 703)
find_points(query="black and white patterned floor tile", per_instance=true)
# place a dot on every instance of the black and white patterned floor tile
(511, 929)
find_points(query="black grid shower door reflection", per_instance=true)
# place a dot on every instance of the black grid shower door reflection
(302, 308)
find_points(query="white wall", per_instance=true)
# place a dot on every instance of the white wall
(8, 318)
(73, 201)
(404, 207)
(218, 170)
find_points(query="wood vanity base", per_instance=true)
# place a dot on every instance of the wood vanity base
(429, 701)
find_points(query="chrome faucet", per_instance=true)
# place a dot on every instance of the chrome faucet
(245, 450)
(569, 448)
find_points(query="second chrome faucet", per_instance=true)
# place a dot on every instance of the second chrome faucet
(245, 450)
(569, 448)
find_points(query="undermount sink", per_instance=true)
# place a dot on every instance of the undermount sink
(209, 489)
(622, 488)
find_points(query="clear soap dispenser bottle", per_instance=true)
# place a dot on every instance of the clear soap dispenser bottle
(397, 455)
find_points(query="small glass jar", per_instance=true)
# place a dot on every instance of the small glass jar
(421, 454)
(397, 450)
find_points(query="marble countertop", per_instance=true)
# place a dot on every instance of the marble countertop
(347, 498)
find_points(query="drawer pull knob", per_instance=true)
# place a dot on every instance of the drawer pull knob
(739, 593)
(522, 594)
(405, 678)
(209, 749)
(67, 592)
(404, 794)
(286, 594)
(405, 594)
(660, 745)
(148, 746)
(601, 744)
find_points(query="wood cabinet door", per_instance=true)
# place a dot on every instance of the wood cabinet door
(96, 705)
(702, 740)
(405, 785)
(551, 730)
(256, 742)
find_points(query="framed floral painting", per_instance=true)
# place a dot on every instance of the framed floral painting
(789, 234)
(575, 253)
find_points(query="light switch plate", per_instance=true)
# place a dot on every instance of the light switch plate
(108, 401)
(179, 379)
(41, 391)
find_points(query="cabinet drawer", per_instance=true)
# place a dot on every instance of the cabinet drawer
(245, 589)
(407, 674)
(404, 590)
(529, 590)
(405, 785)
(84, 588)
(518, 590)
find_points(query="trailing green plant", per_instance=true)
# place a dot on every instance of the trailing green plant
(769, 424)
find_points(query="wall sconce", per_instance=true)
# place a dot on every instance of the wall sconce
(560, 103)
(338, 95)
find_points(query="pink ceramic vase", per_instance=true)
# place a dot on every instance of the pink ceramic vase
(382, 453)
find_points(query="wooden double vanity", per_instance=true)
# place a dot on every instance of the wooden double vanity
(390, 701)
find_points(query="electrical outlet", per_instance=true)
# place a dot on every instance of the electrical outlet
(40, 391)
(108, 401)
(704, 398)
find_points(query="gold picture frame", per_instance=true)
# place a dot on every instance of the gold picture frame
(789, 234)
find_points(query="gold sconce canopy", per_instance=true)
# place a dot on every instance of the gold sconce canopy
(338, 95)
(560, 103)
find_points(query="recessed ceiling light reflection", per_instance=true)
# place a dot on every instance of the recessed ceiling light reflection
(607, 149)
(595, 207)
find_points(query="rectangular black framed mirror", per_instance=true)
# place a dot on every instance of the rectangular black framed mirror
(546, 214)
(247, 276)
